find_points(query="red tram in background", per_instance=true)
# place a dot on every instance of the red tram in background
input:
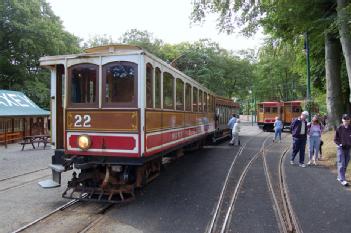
(286, 111)
(117, 110)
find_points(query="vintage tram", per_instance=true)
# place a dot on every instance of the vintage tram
(286, 111)
(116, 111)
(266, 113)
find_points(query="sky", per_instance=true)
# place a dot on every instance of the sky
(167, 20)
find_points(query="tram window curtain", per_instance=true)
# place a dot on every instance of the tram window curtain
(195, 97)
(180, 95)
(168, 91)
(120, 84)
(187, 97)
(157, 88)
(149, 85)
(83, 84)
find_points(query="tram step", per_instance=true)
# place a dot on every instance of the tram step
(56, 169)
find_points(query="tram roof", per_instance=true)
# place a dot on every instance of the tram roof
(271, 102)
(115, 49)
(15, 103)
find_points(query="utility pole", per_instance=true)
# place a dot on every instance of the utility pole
(308, 93)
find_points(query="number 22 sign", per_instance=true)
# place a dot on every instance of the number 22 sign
(82, 121)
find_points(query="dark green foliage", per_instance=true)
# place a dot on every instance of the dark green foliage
(28, 30)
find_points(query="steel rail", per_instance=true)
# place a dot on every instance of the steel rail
(280, 218)
(238, 185)
(221, 196)
(94, 222)
(24, 174)
(295, 227)
(65, 206)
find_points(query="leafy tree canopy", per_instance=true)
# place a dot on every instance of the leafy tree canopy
(28, 30)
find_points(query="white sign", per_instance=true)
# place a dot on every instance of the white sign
(16, 100)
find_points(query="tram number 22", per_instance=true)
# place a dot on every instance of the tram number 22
(80, 121)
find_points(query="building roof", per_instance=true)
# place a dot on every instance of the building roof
(15, 103)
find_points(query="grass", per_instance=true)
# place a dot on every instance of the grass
(329, 153)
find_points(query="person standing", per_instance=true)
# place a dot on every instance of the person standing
(230, 125)
(278, 127)
(235, 132)
(314, 132)
(299, 134)
(343, 141)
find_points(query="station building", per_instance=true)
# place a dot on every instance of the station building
(20, 117)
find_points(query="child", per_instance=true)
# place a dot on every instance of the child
(278, 127)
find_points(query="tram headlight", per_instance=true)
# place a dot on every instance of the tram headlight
(84, 142)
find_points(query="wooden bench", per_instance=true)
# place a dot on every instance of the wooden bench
(35, 139)
(25, 143)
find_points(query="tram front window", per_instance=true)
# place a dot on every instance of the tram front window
(120, 83)
(83, 83)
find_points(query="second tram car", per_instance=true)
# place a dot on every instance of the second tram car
(287, 111)
(267, 111)
(116, 111)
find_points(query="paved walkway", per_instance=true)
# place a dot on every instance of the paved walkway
(320, 202)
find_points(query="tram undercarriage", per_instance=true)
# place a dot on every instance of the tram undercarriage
(110, 183)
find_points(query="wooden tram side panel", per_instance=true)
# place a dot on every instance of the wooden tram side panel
(59, 143)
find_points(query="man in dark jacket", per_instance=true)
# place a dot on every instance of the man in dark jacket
(299, 134)
(343, 141)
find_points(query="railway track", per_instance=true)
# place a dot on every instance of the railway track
(74, 216)
(286, 219)
(216, 220)
(24, 174)
(17, 181)
(285, 213)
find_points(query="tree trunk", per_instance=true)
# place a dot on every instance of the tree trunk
(333, 81)
(345, 35)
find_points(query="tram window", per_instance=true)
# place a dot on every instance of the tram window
(149, 86)
(200, 101)
(180, 95)
(187, 97)
(205, 102)
(267, 109)
(274, 110)
(213, 103)
(83, 83)
(296, 109)
(168, 91)
(209, 98)
(195, 97)
(261, 108)
(157, 88)
(120, 83)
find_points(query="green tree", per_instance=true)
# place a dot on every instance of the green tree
(288, 20)
(29, 30)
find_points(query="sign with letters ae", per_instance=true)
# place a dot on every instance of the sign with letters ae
(15, 103)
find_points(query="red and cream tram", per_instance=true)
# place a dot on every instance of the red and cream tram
(287, 111)
(116, 111)
(267, 111)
